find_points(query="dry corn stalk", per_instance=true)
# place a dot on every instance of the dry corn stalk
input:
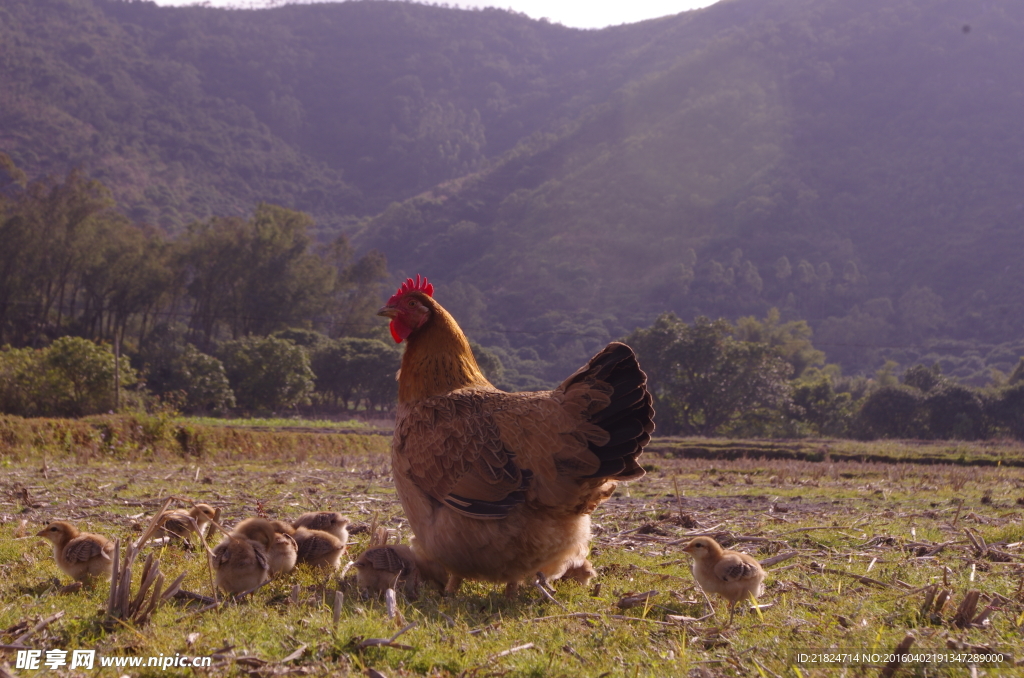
(137, 609)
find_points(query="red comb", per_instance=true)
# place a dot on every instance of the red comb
(410, 285)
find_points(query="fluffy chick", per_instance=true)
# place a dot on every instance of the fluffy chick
(178, 522)
(380, 568)
(318, 548)
(261, 530)
(282, 554)
(733, 575)
(240, 564)
(325, 521)
(80, 555)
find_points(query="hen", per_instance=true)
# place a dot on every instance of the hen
(500, 486)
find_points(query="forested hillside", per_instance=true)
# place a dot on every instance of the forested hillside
(856, 165)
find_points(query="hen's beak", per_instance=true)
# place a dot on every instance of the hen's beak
(388, 311)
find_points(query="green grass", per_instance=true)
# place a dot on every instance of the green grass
(280, 423)
(843, 518)
(980, 453)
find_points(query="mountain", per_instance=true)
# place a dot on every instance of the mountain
(854, 164)
(858, 165)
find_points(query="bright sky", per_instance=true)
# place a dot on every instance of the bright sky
(575, 13)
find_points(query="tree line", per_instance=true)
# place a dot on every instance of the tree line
(74, 376)
(251, 315)
(203, 320)
(72, 264)
(764, 378)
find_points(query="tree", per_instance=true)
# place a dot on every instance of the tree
(79, 377)
(489, 362)
(353, 369)
(703, 378)
(1006, 410)
(791, 341)
(20, 383)
(891, 412)
(49, 234)
(955, 412)
(377, 367)
(357, 290)
(816, 404)
(924, 379)
(256, 276)
(267, 373)
(1017, 376)
(184, 376)
(332, 365)
(920, 312)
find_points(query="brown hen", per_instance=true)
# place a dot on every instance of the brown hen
(500, 486)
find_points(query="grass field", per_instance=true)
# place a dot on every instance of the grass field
(859, 549)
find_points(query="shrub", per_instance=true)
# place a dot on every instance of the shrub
(349, 370)
(183, 376)
(71, 377)
(19, 381)
(1007, 410)
(80, 376)
(204, 382)
(955, 412)
(268, 373)
(891, 412)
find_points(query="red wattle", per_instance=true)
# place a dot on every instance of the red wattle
(398, 331)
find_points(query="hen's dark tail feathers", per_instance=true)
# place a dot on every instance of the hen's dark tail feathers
(628, 418)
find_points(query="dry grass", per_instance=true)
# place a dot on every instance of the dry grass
(865, 553)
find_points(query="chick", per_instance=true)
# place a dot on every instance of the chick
(178, 522)
(282, 554)
(282, 527)
(318, 548)
(581, 573)
(380, 568)
(80, 555)
(257, 529)
(733, 575)
(325, 521)
(240, 564)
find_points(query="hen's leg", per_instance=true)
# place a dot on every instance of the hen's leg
(511, 589)
(454, 582)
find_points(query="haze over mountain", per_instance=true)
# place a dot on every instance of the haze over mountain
(859, 165)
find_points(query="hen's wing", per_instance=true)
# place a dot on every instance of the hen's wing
(451, 448)
(610, 394)
(589, 430)
(733, 568)
(482, 452)
(80, 550)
